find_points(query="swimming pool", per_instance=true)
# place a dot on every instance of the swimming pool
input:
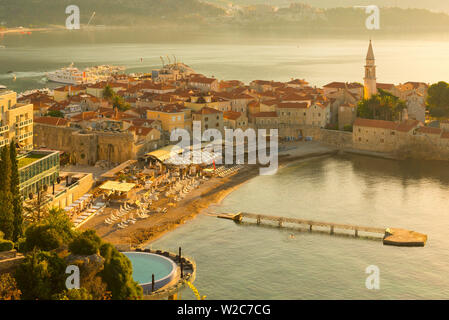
(146, 264)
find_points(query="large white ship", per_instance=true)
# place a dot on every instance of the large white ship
(72, 75)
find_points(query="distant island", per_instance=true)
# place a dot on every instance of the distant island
(218, 15)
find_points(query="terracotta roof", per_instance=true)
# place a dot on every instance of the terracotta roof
(416, 84)
(336, 85)
(52, 121)
(375, 123)
(342, 85)
(88, 115)
(169, 108)
(141, 131)
(98, 85)
(293, 105)
(207, 110)
(385, 86)
(265, 115)
(298, 81)
(232, 115)
(253, 103)
(202, 80)
(141, 122)
(429, 130)
(408, 125)
(294, 97)
(271, 102)
(66, 89)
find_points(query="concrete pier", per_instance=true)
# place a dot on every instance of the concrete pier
(390, 236)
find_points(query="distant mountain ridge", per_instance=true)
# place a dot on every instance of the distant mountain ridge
(431, 5)
(219, 15)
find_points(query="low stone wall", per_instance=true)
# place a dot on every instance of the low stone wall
(9, 261)
(8, 254)
(73, 193)
(336, 138)
(422, 150)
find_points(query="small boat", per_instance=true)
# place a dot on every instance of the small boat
(10, 71)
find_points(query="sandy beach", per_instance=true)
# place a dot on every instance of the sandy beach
(198, 201)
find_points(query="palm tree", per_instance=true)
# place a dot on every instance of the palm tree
(108, 93)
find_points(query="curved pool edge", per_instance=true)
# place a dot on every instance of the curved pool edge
(171, 289)
(159, 283)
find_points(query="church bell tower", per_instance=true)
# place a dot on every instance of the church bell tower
(370, 87)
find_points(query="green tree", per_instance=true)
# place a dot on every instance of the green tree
(49, 234)
(108, 93)
(55, 113)
(438, 99)
(41, 276)
(86, 243)
(17, 200)
(8, 288)
(5, 169)
(120, 104)
(117, 274)
(6, 198)
(381, 106)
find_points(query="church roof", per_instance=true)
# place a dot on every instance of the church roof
(370, 54)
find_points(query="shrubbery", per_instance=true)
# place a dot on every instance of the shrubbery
(48, 235)
(86, 243)
(41, 276)
(6, 245)
(117, 274)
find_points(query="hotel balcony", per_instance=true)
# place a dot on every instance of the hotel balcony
(4, 142)
(25, 135)
(24, 123)
(4, 129)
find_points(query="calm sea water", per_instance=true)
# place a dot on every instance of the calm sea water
(234, 55)
(244, 261)
(238, 261)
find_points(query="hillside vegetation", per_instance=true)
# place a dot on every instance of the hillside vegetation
(218, 15)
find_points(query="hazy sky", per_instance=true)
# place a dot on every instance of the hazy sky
(434, 5)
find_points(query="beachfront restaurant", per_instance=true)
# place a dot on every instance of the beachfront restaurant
(117, 189)
(173, 155)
